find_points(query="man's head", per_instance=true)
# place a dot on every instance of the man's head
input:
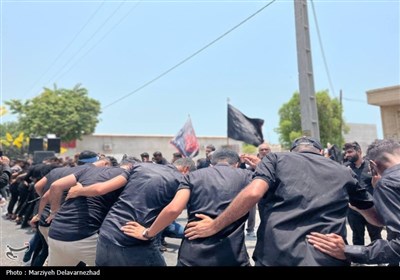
(352, 152)
(383, 154)
(176, 156)
(87, 157)
(263, 150)
(145, 157)
(209, 148)
(127, 162)
(306, 143)
(185, 165)
(225, 155)
(112, 161)
(157, 157)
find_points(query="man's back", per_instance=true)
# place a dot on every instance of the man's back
(212, 189)
(315, 198)
(81, 217)
(149, 189)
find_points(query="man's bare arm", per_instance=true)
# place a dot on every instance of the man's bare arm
(56, 190)
(40, 185)
(165, 218)
(98, 188)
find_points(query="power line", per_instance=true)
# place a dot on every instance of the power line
(354, 100)
(322, 50)
(99, 41)
(86, 42)
(67, 46)
(189, 57)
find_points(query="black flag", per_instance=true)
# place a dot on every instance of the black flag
(186, 141)
(245, 129)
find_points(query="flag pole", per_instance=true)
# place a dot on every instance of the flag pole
(227, 126)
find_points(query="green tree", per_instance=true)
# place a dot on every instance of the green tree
(10, 127)
(13, 142)
(331, 123)
(68, 113)
(249, 149)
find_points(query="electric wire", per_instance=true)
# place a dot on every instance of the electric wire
(189, 57)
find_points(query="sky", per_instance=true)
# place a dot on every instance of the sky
(118, 50)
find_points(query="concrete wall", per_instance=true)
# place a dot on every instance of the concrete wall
(388, 99)
(364, 134)
(134, 145)
(391, 122)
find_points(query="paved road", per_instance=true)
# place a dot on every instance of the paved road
(13, 235)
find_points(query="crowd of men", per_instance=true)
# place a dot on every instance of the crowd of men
(96, 211)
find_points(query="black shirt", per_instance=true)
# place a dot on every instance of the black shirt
(150, 188)
(364, 176)
(211, 191)
(81, 217)
(387, 204)
(307, 193)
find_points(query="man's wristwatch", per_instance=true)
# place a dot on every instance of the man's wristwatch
(145, 234)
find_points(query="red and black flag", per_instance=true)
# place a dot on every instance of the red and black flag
(243, 128)
(186, 141)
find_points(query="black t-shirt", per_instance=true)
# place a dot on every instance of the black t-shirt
(364, 176)
(212, 190)
(150, 188)
(387, 204)
(81, 217)
(307, 193)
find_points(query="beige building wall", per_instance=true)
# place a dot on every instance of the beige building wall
(117, 145)
(363, 134)
(388, 99)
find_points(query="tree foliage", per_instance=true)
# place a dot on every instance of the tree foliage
(249, 149)
(331, 123)
(13, 141)
(68, 113)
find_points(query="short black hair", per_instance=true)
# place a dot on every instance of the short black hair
(352, 145)
(129, 159)
(211, 147)
(112, 160)
(87, 157)
(224, 154)
(306, 140)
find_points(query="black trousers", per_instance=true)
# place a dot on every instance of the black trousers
(358, 224)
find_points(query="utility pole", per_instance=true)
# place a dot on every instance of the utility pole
(308, 102)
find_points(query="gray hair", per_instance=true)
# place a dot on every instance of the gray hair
(185, 162)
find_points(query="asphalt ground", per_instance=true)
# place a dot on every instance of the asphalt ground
(12, 235)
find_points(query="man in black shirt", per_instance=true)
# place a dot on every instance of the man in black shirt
(149, 189)
(297, 193)
(384, 156)
(207, 191)
(74, 230)
(353, 155)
